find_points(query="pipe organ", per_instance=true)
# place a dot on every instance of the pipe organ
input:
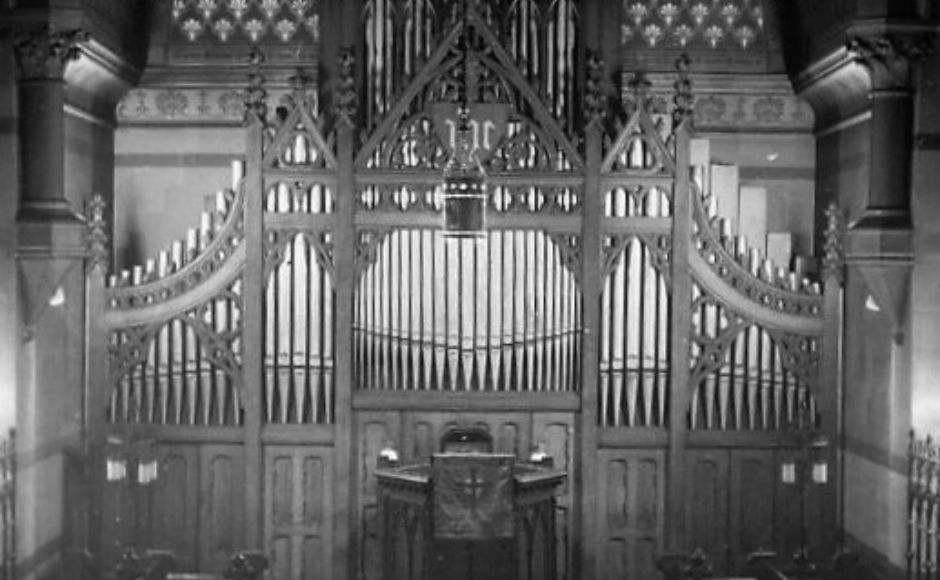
(497, 314)
(319, 317)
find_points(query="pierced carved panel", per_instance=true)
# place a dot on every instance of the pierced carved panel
(744, 377)
(785, 294)
(184, 371)
(204, 253)
(636, 308)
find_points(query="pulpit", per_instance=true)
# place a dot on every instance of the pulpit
(468, 515)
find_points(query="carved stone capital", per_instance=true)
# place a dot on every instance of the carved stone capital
(43, 54)
(345, 98)
(888, 58)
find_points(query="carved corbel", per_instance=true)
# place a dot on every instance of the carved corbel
(888, 58)
(43, 54)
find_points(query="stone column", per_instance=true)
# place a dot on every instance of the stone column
(50, 253)
(42, 57)
(879, 259)
(880, 240)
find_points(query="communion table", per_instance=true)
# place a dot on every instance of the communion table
(468, 516)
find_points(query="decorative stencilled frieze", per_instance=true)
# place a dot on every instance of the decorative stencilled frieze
(246, 20)
(190, 105)
(714, 110)
(768, 110)
(686, 24)
(772, 111)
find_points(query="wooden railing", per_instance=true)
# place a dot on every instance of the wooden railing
(923, 539)
(763, 565)
(8, 507)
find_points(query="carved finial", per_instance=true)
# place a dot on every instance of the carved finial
(246, 565)
(683, 97)
(801, 566)
(300, 93)
(345, 98)
(639, 92)
(698, 566)
(43, 54)
(255, 97)
(97, 233)
(595, 102)
(888, 58)
(833, 250)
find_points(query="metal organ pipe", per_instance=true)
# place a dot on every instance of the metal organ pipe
(465, 315)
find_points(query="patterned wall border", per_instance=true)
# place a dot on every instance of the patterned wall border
(187, 106)
(724, 111)
(713, 111)
(763, 103)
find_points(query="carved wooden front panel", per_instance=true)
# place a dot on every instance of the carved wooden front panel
(373, 431)
(737, 505)
(174, 524)
(631, 508)
(422, 432)
(707, 497)
(221, 505)
(754, 478)
(193, 507)
(555, 433)
(298, 511)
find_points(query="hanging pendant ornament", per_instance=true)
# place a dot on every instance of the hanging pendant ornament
(464, 178)
(464, 185)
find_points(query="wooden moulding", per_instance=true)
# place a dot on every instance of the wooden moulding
(457, 401)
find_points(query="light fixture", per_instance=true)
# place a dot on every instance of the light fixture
(388, 456)
(147, 471)
(540, 456)
(820, 471)
(464, 178)
(148, 467)
(115, 460)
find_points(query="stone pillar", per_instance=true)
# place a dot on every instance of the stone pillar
(42, 57)
(50, 252)
(879, 260)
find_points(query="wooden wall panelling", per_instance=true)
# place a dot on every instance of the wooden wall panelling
(820, 521)
(299, 511)
(118, 519)
(786, 509)
(556, 432)
(754, 477)
(707, 489)
(630, 489)
(374, 429)
(175, 496)
(221, 505)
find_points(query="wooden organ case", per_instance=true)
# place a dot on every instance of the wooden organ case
(319, 315)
